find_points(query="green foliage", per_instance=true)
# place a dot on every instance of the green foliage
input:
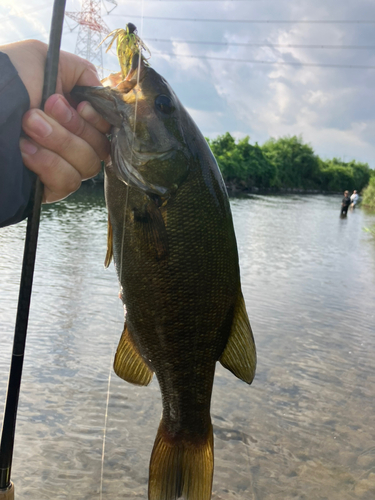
(370, 230)
(241, 163)
(339, 176)
(297, 165)
(369, 194)
(336, 177)
(361, 174)
(285, 163)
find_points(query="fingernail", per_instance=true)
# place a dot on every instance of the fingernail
(27, 147)
(61, 110)
(88, 112)
(38, 125)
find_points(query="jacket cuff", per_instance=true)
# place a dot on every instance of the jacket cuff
(16, 181)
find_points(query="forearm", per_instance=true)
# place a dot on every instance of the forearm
(16, 180)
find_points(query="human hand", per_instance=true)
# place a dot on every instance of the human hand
(65, 145)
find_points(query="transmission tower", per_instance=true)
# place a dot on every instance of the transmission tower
(92, 30)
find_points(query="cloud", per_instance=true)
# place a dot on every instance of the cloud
(207, 120)
(333, 108)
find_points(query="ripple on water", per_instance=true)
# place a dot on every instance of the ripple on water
(304, 429)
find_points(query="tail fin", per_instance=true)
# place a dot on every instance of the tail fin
(181, 469)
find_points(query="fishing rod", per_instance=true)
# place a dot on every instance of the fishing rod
(28, 264)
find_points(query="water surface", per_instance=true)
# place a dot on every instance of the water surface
(304, 430)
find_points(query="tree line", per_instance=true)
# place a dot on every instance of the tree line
(285, 163)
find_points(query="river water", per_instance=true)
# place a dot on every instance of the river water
(305, 428)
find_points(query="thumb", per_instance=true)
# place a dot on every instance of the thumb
(74, 70)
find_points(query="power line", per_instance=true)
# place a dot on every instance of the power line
(249, 21)
(180, 1)
(281, 63)
(264, 44)
(200, 1)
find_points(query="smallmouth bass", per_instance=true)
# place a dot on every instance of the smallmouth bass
(171, 235)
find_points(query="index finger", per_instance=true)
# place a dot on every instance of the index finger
(58, 108)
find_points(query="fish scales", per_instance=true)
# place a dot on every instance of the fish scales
(185, 298)
(172, 238)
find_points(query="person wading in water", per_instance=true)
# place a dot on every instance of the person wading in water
(345, 204)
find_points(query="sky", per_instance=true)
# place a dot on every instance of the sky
(300, 67)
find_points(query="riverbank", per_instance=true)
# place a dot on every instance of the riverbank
(236, 189)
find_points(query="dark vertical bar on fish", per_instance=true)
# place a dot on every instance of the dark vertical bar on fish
(10, 414)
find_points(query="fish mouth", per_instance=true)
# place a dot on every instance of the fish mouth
(104, 100)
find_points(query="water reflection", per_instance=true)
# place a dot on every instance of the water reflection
(303, 430)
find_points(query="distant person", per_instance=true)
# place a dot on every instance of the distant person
(354, 199)
(345, 204)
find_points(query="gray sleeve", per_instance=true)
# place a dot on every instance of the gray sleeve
(16, 181)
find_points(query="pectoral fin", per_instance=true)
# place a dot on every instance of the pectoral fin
(239, 355)
(109, 255)
(129, 364)
(153, 227)
(156, 232)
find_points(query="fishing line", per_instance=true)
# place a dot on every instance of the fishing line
(106, 413)
(105, 424)
(132, 145)
(121, 261)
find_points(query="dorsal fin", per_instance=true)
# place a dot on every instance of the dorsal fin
(239, 355)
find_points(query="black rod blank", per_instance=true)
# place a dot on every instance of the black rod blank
(10, 414)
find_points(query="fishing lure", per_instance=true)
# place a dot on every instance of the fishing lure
(128, 45)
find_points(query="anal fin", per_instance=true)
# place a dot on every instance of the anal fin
(239, 355)
(109, 255)
(129, 364)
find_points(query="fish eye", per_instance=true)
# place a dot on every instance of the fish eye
(164, 104)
